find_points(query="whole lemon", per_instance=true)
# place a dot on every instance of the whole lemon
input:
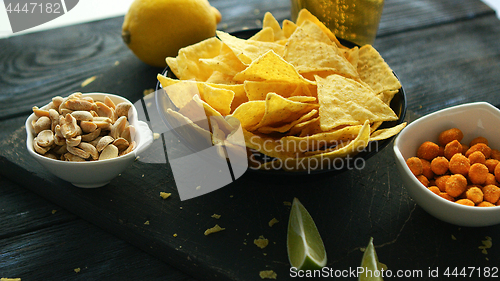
(156, 29)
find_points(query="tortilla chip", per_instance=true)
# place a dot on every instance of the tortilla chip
(226, 62)
(344, 101)
(248, 50)
(266, 34)
(320, 140)
(258, 90)
(287, 126)
(270, 21)
(188, 64)
(219, 99)
(383, 134)
(250, 113)
(280, 111)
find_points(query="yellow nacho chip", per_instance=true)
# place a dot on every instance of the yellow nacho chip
(189, 130)
(344, 101)
(188, 64)
(288, 28)
(270, 21)
(266, 34)
(320, 140)
(272, 68)
(219, 99)
(327, 159)
(187, 89)
(383, 134)
(287, 126)
(305, 15)
(374, 71)
(258, 90)
(250, 113)
(248, 50)
(280, 111)
(302, 99)
(226, 62)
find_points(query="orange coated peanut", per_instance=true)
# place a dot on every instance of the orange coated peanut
(465, 173)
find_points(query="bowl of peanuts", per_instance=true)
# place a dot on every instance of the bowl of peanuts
(448, 161)
(87, 139)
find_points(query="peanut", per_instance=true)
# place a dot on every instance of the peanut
(77, 128)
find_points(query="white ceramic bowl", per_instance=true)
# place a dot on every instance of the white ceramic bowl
(473, 119)
(94, 173)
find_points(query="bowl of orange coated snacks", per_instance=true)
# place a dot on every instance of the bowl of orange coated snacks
(448, 161)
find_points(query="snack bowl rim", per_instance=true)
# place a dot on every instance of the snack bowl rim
(473, 120)
(93, 174)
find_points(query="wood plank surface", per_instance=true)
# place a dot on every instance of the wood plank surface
(39, 66)
(444, 52)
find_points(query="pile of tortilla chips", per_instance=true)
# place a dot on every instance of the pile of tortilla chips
(302, 98)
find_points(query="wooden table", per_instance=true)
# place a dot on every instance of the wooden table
(446, 52)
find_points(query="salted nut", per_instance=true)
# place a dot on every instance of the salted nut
(78, 128)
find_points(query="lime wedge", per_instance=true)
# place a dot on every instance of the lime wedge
(372, 268)
(304, 244)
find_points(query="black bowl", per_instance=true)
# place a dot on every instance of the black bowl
(398, 105)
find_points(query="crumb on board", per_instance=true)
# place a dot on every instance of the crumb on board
(54, 211)
(214, 229)
(273, 222)
(156, 136)
(267, 274)
(165, 195)
(175, 235)
(77, 269)
(88, 81)
(216, 216)
(287, 203)
(10, 279)
(146, 223)
(487, 243)
(261, 242)
(453, 237)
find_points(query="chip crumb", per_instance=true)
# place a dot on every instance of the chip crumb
(487, 243)
(147, 92)
(453, 237)
(165, 195)
(175, 235)
(10, 279)
(88, 81)
(54, 211)
(267, 274)
(146, 222)
(117, 62)
(214, 229)
(156, 136)
(77, 270)
(287, 203)
(273, 222)
(216, 216)
(261, 242)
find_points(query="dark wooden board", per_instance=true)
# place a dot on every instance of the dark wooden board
(96, 255)
(348, 209)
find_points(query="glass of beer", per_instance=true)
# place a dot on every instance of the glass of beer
(353, 20)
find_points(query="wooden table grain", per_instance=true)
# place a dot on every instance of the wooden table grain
(444, 52)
